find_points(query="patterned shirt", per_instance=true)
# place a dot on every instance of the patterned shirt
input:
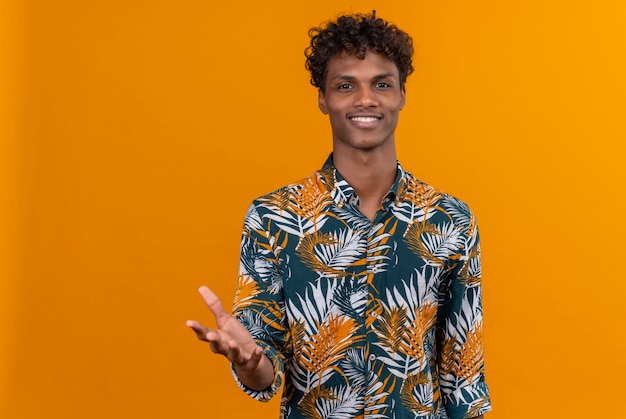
(365, 319)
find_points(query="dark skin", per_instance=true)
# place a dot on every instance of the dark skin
(233, 341)
(363, 99)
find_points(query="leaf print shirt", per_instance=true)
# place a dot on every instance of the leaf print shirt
(365, 319)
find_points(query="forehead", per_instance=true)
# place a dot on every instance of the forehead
(372, 65)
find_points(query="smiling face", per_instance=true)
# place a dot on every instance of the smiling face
(362, 99)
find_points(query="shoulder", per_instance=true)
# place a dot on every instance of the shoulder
(278, 199)
(431, 199)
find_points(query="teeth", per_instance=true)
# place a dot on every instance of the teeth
(364, 118)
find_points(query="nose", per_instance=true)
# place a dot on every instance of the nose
(365, 98)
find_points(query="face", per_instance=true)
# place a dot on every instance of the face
(363, 99)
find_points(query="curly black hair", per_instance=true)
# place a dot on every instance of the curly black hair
(354, 34)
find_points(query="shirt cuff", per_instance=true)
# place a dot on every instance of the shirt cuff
(277, 362)
(469, 401)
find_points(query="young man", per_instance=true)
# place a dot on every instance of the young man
(359, 287)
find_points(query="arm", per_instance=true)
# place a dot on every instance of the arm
(460, 322)
(232, 340)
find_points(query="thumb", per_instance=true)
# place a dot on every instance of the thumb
(214, 304)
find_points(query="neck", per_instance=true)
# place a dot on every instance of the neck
(371, 174)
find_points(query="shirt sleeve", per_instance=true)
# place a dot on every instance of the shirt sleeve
(259, 302)
(460, 328)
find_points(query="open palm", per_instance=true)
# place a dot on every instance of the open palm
(233, 340)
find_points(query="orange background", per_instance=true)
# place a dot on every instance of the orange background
(135, 134)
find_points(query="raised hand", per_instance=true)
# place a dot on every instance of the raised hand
(233, 340)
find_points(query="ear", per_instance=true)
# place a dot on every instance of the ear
(321, 102)
(403, 97)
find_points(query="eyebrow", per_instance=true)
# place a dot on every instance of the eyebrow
(352, 78)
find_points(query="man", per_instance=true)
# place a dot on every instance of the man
(359, 287)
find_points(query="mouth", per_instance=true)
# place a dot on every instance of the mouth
(365, 119)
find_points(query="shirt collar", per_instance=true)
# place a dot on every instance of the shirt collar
(342, 193)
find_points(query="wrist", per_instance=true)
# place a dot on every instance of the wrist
(258, 378)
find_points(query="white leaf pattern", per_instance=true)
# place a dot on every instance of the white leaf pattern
(347, 309)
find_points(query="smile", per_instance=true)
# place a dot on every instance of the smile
(364, 118)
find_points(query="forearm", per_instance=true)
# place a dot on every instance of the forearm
(258, 379)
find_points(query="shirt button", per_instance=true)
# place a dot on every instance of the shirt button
(374, 314)
(375, 269)
(372, 357)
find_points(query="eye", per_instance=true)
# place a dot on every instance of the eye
(344, 86)
(382, 85)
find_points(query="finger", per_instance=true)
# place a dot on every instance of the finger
(245, 360)
(255, 359)
(234, 354)
(200, 331)
(214, 303)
